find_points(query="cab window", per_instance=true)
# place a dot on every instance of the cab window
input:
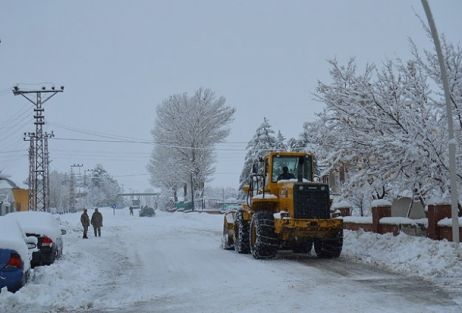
(287, 168)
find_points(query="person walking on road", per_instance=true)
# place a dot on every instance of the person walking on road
(97, 222)
(131, 210)
(85, 220)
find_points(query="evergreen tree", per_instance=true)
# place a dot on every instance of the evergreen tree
(280, 142)
(262, 142)
(102, 188)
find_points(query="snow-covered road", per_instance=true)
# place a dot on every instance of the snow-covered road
(174, 263)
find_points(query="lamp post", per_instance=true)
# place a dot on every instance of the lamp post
(451, 140)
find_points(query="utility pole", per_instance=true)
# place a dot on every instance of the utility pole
(78, 182)
(32, 173)
(46, 136)
(38, 154)
(72, 191)
(72, 196)
(451, 140)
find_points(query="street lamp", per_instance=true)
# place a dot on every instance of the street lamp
(452, 141)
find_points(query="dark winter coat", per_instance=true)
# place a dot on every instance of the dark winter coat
(97, 219)
(85, 219)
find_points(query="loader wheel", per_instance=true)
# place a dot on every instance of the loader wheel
(329, 248)
(241, 234)
(263, 240)
(303, 247)
(226, 240)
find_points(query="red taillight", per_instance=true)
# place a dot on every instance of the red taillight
(46, 242)
(15, 260)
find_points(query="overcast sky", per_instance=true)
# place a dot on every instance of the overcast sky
(119, 59)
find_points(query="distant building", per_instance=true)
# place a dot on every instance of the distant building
(12, 198)
(6, 196)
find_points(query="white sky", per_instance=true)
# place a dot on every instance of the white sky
(119, 59)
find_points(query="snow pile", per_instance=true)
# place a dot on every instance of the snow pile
(40, 223)
(12, 237)
(429, 259)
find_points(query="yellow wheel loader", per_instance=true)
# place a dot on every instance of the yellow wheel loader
(284, 209)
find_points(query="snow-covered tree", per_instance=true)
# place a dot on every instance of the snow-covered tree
(388, 124)
(59, 190)
(262, 142)
(186, 130)
(295, 145)
(166, 171)
(430, 67)
(102, 188)
(280, 142)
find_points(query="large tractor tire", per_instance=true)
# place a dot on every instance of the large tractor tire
(241, 234)
(263, 240)
(226, 240)
(303, 247)
(329, 248)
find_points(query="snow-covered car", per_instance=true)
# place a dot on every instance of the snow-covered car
(147, 211)
(15, 256)
(45, 227)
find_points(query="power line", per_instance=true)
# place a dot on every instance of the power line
(115, 136)
(146, 142)
(19, 126)
(21, 112)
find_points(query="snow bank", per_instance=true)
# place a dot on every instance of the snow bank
(12, 237)
(429, 259)
(40, 223)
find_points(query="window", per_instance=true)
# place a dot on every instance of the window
(292, 164)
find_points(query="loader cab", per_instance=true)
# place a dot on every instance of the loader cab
(298, 166)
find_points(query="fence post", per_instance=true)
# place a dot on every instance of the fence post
(380, 208)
